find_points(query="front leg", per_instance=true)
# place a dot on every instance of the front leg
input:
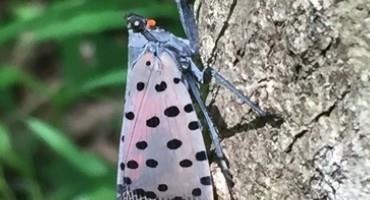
(205, 76)
(220, 80)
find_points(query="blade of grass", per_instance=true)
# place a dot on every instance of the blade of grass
(85, 163)
(10, 76)
(81, 24)
(69, 93)
(4, 148)
(113, 78)
(9, 157)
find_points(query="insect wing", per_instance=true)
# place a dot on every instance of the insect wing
(162, 153)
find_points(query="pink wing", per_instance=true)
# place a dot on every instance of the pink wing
(162, 152)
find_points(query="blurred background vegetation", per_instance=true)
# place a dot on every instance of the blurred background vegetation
(62, 75)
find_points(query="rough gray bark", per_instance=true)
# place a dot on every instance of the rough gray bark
(308, 62)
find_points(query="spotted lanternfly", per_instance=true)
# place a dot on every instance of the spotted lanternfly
(162, 153)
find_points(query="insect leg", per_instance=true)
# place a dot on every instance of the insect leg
(213, 129)
(220, 80)
(188, 23)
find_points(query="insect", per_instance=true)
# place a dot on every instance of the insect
(162, 153)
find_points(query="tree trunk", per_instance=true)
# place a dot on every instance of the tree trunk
(306, 61)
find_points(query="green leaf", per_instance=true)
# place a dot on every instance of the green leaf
(86, 163)
(83, 17)
(70, 92)
(82, 24)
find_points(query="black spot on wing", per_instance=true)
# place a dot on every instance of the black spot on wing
(186, 163)
(176, 80)
(151, 163)
(205, 180)
(130, 115)
(196, 192)
(139, 192)
(120, 189)
(153, 122)
(162, 187)
(174, 144)
(122, 166)
(150, 194)
(188, 108)
(171, 111)
(141, 145)
(132, 164)
(127, 181)
(140, 86)
(201, 155)
(161, 87)
(194, 125)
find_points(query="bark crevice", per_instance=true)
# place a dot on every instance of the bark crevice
(221, 33)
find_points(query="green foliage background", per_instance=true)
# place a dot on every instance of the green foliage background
(62, 72)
